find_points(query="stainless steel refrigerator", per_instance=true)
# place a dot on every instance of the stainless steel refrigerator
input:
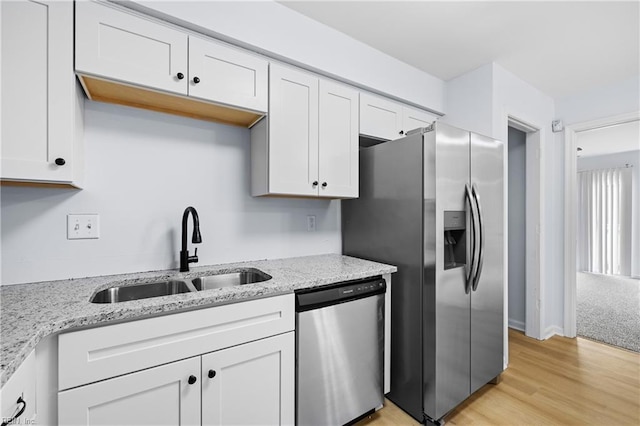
(431, 203)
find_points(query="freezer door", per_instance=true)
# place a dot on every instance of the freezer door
(447, 304)
(487, 310)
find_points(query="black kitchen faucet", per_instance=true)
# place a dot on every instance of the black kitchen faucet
(185, 259)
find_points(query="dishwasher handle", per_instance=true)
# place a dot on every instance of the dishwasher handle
(319, 297)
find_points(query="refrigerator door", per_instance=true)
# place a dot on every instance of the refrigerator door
(446, 322)
(487, 320)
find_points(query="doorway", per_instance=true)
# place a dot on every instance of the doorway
(607, 305)
(516, 222)
(576, 136)
(525, 227)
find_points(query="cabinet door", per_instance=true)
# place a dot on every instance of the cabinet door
(338, 141)
(157, 396)
(252, 384)
(227, 75)
(21, 384)
(380, 117)
(38, 90)
(413, 118)
(120, 46)
(293, 132)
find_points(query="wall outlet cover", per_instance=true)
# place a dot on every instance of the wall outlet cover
(311, 223)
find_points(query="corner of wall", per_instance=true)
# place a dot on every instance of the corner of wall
(469, 100)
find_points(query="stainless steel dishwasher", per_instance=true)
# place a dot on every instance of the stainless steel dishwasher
(339, 352)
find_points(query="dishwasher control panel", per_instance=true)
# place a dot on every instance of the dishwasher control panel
(360, 288)
(339, 293)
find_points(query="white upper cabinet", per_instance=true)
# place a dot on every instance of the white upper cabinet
(379, 117)
(293, 132)
(226, 75)
(41, 112)
(384, 119)
(413, 118)
(128, 48)
(338, 141)
(308, 145)
(129, 59)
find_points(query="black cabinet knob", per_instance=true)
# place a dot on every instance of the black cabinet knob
(324, 184)
(212, 374)
(192, 379)
(60, 161)
(196, 80)
(315, 183)
(180, 76)
(401, 132)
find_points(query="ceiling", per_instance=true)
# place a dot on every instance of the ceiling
(560, 47)
(610, 140)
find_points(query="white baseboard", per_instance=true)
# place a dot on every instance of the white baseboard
(551, 331)
(518, 325)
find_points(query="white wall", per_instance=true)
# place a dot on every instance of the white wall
(469, 101)
(142, 170)
(516, 98)
(620, 160)
(275, 30)
(607, 101)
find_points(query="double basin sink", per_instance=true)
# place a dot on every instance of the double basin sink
(166, 288)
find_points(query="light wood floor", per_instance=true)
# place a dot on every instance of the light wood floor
(559, 381)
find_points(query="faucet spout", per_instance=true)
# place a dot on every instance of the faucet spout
(196, 238)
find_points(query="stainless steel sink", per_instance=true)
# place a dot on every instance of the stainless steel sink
(142, 291)
(228, 279)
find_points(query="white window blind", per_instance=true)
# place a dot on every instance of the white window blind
(604, 221)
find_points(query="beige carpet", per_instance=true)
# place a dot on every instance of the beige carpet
(608, 309)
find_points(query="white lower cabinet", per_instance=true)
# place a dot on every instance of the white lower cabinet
(249, 384)
(18, 395)
(157, 396)
(224, 365)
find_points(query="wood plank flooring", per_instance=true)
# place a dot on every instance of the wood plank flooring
(559, 381)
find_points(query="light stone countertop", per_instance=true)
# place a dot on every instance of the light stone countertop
(30, 312)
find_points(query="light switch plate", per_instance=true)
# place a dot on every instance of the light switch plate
(83, 226)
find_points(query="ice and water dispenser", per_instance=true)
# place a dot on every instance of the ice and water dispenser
(455, 249)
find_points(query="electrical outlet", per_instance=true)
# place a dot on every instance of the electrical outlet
(83, 226)
(311, 223)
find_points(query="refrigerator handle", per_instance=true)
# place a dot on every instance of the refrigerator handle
(482, 236)
(470, 267)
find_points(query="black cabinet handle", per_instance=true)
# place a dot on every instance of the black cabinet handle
(18, 414)
(324, 184)
(196, 80)
(180, 76)
(212, 374)
(401, 132)
(192, 379)
(315, 183)
(60, 161)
